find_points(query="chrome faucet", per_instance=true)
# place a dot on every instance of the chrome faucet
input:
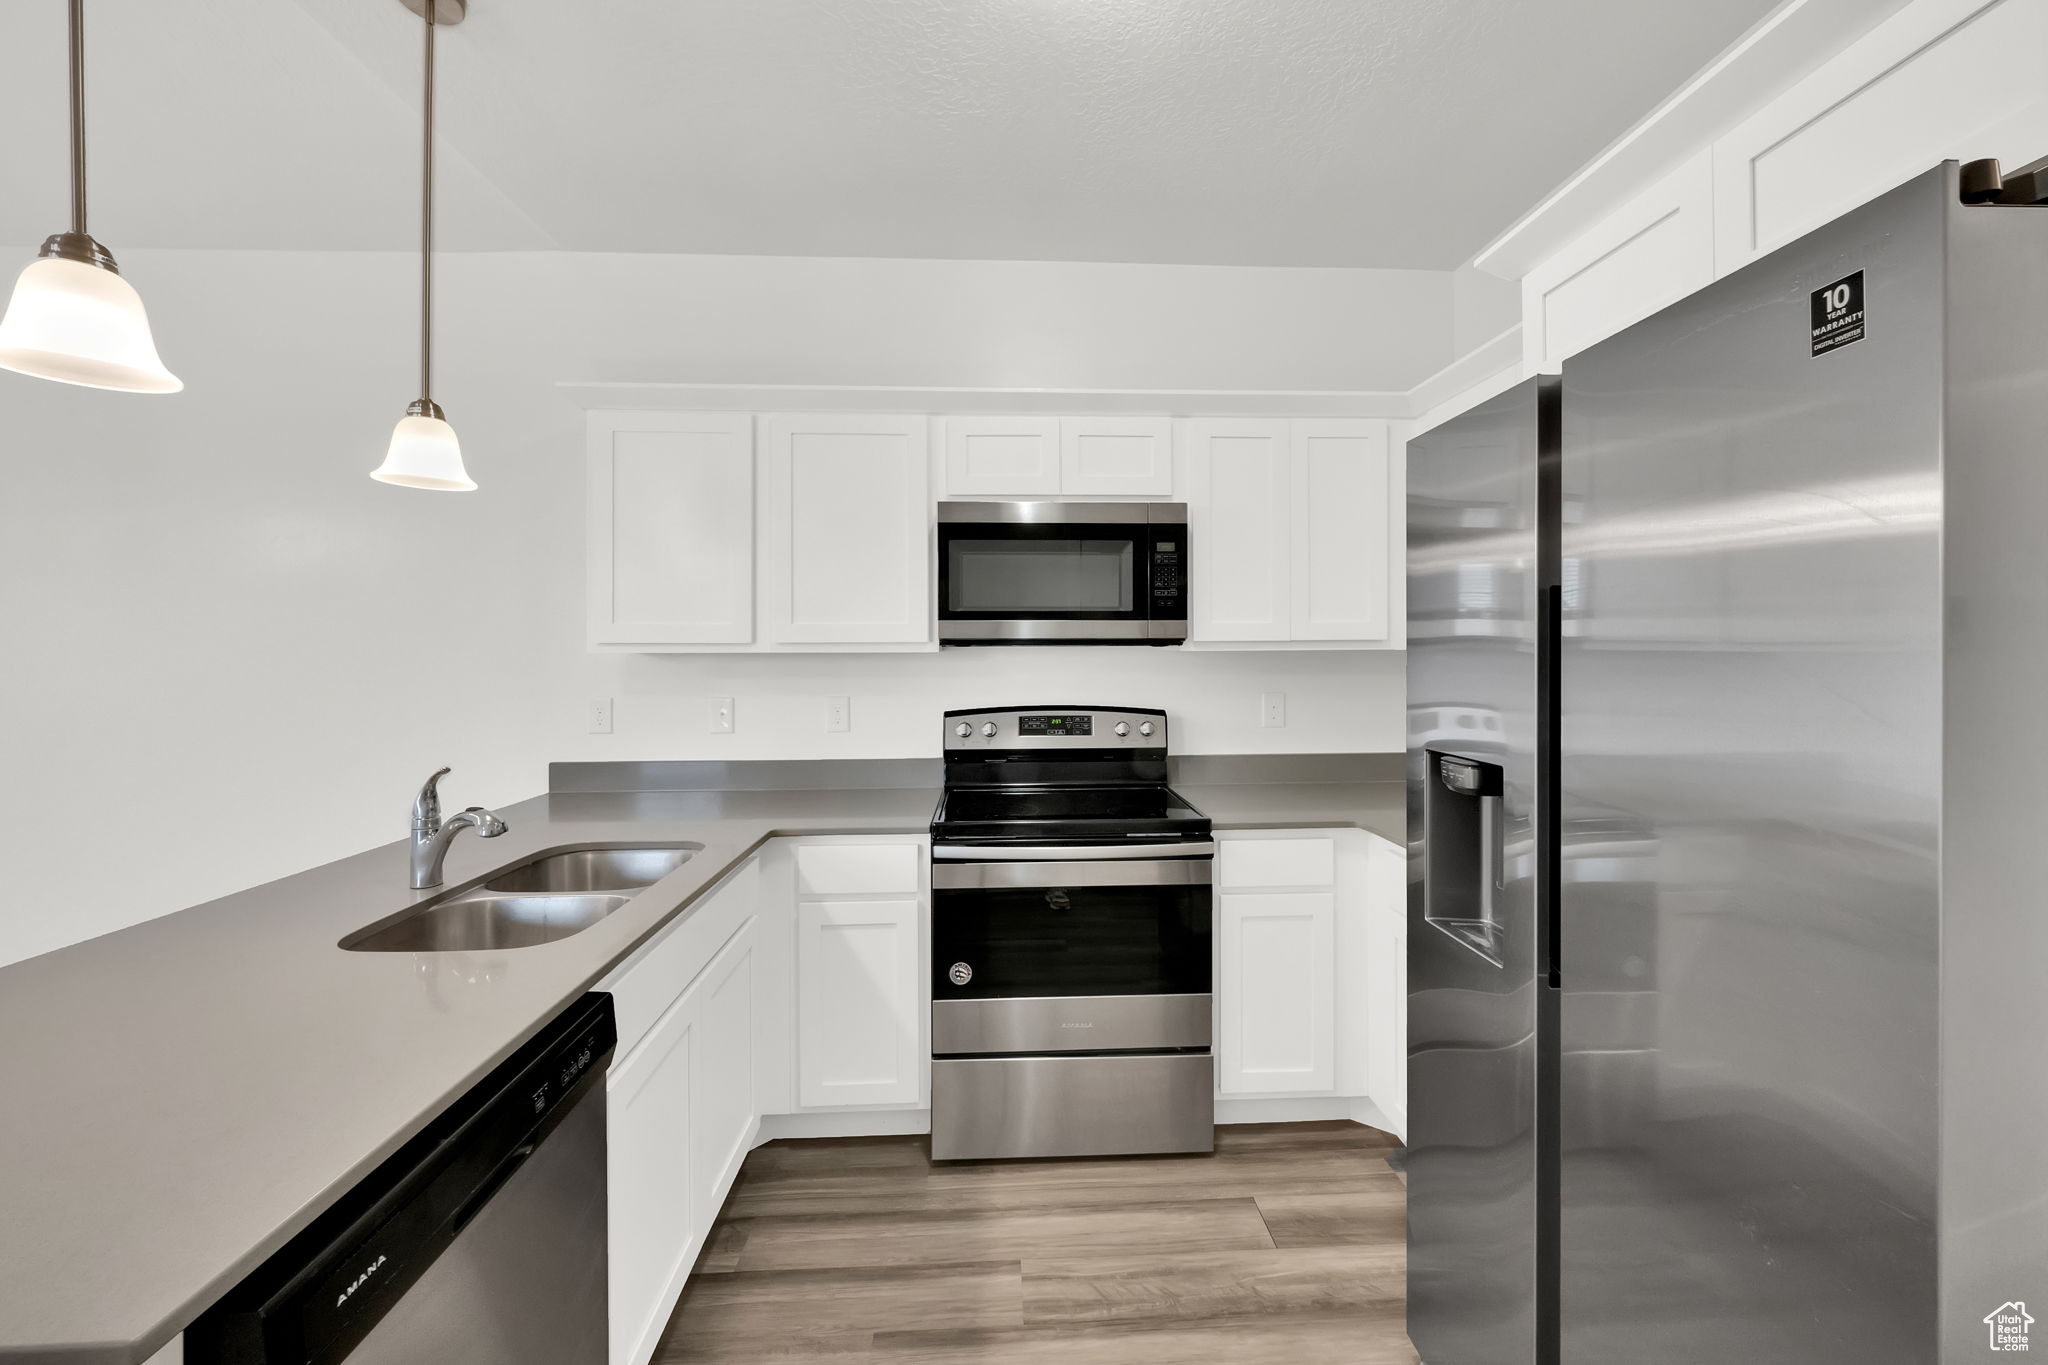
(431, 835)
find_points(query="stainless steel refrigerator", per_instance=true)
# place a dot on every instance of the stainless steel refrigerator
(1728, 690)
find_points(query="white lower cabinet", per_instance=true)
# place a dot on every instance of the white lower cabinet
(1310, 991)
(680, 1104)
(722, 1109)
(648, 1116)
(1276, 993)
(1387, 984)
(858, 969)
(858, 949)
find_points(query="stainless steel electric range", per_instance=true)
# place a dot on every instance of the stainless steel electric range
(1070, 940)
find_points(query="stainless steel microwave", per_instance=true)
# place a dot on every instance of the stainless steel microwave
(1063, 573)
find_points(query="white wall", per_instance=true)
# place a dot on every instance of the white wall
(232, 655)
(1337, 701)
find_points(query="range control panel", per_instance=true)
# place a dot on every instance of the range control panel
(1056, 727)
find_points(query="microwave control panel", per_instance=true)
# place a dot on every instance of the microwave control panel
(1169, 574)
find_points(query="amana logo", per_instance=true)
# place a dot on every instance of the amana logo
(361, 1280)
(1079, 1023)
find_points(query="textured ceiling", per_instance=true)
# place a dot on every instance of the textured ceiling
(1399, 133)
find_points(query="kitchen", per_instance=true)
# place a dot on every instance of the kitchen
(697, 603)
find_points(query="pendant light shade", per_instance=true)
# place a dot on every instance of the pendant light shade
(72, 318)
(80, 324)
(424, 452)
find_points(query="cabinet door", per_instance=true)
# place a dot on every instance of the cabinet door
(1002, 457)
(1387, 914)
(670, 535)
(1125, 457)
(1390, 1081)
(722, 1076)
(846, 529)
(1238, 512)
(648, 983)
(1341, 522)
(648, 1099)
(1276, 951)
(859, 991)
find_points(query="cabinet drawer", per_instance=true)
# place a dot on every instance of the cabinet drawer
(856, 869)
(648, 982)
(1276, 862)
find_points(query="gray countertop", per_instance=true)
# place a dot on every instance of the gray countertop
(184, 1095)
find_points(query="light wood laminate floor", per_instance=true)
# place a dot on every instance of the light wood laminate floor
(1285, 1247)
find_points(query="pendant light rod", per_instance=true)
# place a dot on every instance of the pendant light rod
(426, 221)
(78, 117)
(424, 452)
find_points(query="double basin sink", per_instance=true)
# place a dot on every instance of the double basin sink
(540, 901)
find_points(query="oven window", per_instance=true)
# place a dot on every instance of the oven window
(1079, 940)
(1025, 577)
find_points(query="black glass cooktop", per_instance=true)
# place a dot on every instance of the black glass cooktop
(1066, 813)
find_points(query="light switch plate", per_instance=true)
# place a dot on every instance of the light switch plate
(838, 715)
(601, 716)
(1272, 710)
(721, 715)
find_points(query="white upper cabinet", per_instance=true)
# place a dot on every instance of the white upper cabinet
(1001, 457)
(1040, 457)
(804, 531)
(846, 529)
(1121, 457)
(1653, 252)
(1936, 79)
(1238, 513)
(671, 528)
(1341, 584)
(1291, 530)
(1939, 79)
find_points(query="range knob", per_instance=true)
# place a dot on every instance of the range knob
(1145, 728)
(988, 730)
(963, 729)
(1122, 729)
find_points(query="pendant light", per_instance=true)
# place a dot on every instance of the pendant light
(72, 317)
(424, 452)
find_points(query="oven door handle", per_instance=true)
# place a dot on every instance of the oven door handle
(998, 876)
(1079, 853)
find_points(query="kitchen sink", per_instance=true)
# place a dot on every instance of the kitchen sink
(536, 902)
(483, 920)
(592, 869)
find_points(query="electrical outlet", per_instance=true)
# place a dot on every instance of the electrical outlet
(601, 716)
(838, 715)
(1272, 710)
(721, 715)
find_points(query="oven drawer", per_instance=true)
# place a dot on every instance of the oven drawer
(984, 1108)
(1071, 1023)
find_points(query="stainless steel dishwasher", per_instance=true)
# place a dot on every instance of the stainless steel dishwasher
(482, 1242)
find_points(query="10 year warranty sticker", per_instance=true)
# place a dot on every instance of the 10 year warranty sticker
(1838, 314)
